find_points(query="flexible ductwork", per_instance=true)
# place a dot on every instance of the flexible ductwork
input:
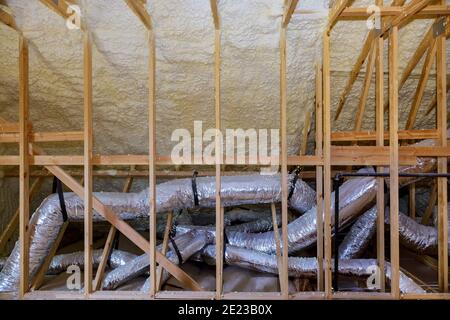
(46, 222)
(302, 267)
(358, 238)
(61, 262)
(187, 244)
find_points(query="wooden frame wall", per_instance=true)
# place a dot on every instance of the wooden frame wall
(326, 156)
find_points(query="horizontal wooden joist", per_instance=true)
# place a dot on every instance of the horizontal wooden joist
(43, 136)
(371, 135)
(340, 156)
(361, 13)
(12, 127)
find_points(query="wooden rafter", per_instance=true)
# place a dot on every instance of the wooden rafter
(408, 12)
(7, 18)
(138, 8)
(431, 55)
(288, 11)
(357, 66)
(336, 11)
(215, 13)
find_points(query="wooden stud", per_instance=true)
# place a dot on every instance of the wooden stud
(165, 246)
(319, 176)
(380, 136)
(441, 86)
(412, 201)
(218, 162)
(421, 86)
(138, 9)
(394, 161)
(431, 203)
(88, 154)
(335, 12)
(276, 233)
(283, 163)
(288, 11)
(215, 13)
(327, 163)
(24, 178)
(305, 133)
(108, 245)
(152, 154)
(365, 91)
(7, 18)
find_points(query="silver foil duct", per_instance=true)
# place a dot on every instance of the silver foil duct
(355, 195)
(358, 238)
(417, 237)
(188, 244)
(302, 267)
(61, 262)
(46, 222)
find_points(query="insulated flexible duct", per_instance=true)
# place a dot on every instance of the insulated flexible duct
(302, 267)
(187, 244)
(46, 222)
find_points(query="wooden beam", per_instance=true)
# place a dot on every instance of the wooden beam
(421, 86)
(431, 203)
(276, 233)
(327, 163)
(121, 225)
(305, 133)
(215, 13)
(372, 135)
(336, 11)
(412, 201)
(362, 13)
(24, 178)
(407, 14)
(441, 113)
(7, 18)
(108, 245)
(139, 10)
(357, 66)
(61, 9)
(152, 154)
(288, 11)
(218, 161)
(283, 163)
(394, 161)
(380, 136)
(165, 246)
(87, 157)
(319, 176)
(365, 90)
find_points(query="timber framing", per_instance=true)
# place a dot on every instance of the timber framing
(332, 150)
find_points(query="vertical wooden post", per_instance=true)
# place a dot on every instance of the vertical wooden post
(393, 162)
(24, 177)
(327, 162)
(88, 152)
(441, 85)
(152, 156)
(319, 176)
(284, 173)
(218, 147)
(412, 201)
(379, 127)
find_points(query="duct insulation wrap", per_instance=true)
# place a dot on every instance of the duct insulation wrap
(358, 238)
(355, 195)
(187, 244)
(46, 222)
(303, 267)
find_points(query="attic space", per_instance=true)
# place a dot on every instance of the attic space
(223, 149)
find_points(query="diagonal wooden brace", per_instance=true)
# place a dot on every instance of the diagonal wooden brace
(121, 225)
